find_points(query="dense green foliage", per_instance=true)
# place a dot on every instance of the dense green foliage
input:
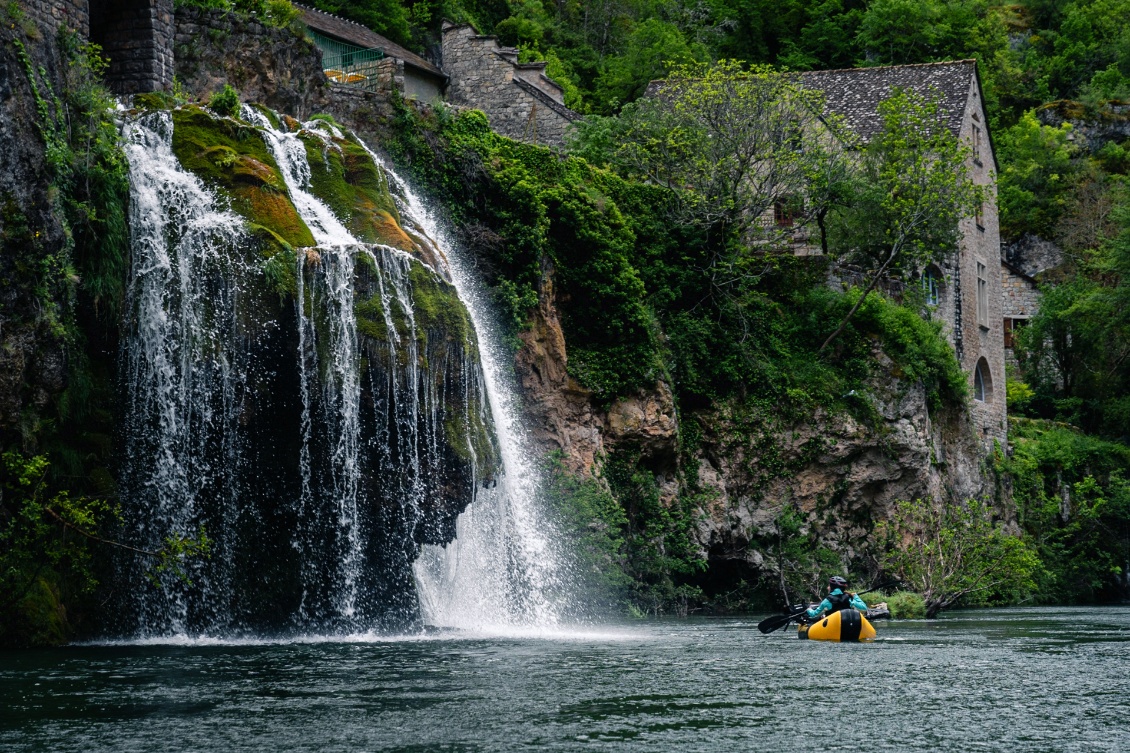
(952, 553)
(1073, 499)
(278, 13)
(43, 560)
(1029, 55)
(636, 289)
(1076, 352)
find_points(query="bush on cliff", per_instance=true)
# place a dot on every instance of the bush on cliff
(278, 13)
(1072, 494)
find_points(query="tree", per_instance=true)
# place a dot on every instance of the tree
(955, 552)
(1076, 350)
(1036, 176)
(45, 554)
(651, 50)
(733, 147)
(911, 191)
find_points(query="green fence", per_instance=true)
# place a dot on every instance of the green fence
(348, 64)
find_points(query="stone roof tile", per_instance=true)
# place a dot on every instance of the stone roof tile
(855, 93)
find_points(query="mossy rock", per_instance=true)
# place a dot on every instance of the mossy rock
(344, 176)
(438, 307)
(233, 158)
(154, 101)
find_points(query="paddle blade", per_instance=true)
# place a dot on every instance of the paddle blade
(776, 622)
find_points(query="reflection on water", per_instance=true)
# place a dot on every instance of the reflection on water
(1031, 680)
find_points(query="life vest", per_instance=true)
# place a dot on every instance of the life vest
(839, 601)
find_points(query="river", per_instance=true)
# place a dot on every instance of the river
(1051, 679)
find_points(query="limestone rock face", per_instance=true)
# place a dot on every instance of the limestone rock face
(565, 416)
(272, 66)
(33, 359)
(842, 474)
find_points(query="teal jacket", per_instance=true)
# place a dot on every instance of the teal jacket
(825, 605)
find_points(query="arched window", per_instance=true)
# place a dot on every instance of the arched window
(983, 382)
(932, 286)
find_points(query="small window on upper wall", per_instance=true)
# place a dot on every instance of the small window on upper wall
(977, 145)
(786, 210)
(982, 296)
(932, 287)
(979, 215)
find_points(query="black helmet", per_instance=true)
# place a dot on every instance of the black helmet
(837, 582)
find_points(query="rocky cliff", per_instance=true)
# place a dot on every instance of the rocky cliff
(745, 466)
(34, 245)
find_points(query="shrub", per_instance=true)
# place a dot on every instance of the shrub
(225, 102)
(906, 605)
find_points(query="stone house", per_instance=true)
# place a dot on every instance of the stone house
(964, 290)
(1021, 300)
(354, 54)
(519, 100)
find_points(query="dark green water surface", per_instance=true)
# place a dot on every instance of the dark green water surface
(1019, 680)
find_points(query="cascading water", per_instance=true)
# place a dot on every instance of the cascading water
(182, 307)
(502, 569)
(327, 445)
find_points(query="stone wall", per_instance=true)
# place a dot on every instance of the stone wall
(1021, 303)
(137, 37)
(487, 77)
(979, 336)
(275, 67)
(51, 15)
(1021, 296)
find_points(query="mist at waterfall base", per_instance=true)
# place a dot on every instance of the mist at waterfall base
(317, 462)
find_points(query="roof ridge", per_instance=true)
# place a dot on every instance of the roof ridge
(332, 15)
(888, 67)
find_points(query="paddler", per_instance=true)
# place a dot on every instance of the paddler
(838, 598)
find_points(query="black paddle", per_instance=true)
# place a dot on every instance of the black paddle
(776, 622)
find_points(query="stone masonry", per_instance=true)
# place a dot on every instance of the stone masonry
(136, 36)
(1021, 302)
(51, 15)
(519, 100)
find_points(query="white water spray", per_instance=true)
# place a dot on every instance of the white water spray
(502, 570)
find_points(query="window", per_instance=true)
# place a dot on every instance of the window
(979, 215)
(982, 382)
(1012, 327)
(977, 146)
(932, 286)
(982, 296)
(786, 211)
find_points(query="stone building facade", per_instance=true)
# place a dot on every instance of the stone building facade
(965, 289)
(136, 36)
(1021, 301)
(519, 100)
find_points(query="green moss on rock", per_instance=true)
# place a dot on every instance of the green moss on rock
(344, 176)
(233, 158)
(438, 307)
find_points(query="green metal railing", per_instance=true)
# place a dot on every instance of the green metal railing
(348, 64)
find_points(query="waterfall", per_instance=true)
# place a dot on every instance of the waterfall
(356, 455)
(502, 570)
(183, 305)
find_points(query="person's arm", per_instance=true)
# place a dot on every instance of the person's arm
(819, 609)
(858, 603)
